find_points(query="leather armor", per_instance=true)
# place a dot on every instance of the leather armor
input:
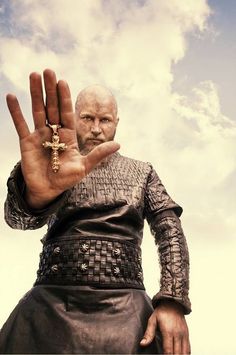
(112, 201)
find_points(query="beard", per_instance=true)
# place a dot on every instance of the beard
(86, 145)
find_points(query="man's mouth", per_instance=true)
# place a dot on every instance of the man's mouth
(95, 140)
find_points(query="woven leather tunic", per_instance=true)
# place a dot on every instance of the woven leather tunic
(112, 202)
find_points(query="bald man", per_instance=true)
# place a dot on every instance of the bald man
(89, 296)
(96, 112)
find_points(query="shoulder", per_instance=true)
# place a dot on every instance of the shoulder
(133, 163)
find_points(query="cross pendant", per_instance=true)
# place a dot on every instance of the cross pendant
(56, 146)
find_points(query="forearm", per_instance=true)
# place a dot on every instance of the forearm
(174, 260)
(18, 213)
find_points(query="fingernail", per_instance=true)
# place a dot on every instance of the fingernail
(143, 341)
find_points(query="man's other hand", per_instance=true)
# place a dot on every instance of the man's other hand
(168, 318)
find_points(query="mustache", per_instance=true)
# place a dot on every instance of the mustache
(95, 139)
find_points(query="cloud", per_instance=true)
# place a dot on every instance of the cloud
(205, 141)
(208, 130)
(128, 46)
(104, 40)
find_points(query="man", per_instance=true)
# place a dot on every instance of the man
(89, 295)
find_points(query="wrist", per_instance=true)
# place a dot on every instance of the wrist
(38, 201)
(169, 303)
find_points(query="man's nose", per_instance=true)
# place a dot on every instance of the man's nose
(96, 129)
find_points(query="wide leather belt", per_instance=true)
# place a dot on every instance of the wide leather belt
(107, 262)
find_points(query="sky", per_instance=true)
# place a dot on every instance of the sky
(171, 66)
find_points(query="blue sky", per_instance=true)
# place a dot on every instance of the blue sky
(213, 56)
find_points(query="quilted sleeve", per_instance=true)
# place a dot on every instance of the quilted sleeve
(18, 214)
(162, 215)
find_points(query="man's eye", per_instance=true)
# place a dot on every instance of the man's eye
(105, 120)
(87, 118)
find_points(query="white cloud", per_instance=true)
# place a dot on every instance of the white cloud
(211, 135)
(121, 44)
(108, 40)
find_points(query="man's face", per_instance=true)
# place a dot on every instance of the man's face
(96, 121)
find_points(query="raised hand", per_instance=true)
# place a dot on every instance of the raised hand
(42, 183)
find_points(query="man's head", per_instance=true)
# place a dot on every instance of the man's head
(96, 111)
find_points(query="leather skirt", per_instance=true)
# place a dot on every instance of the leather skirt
(56, 319)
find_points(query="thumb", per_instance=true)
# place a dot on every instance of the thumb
(149, 333)
(99, 153)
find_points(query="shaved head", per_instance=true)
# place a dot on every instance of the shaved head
(97, 95)
(96, 111)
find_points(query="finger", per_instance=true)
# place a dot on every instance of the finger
(150, 333)
(186, 348)
(177, 345)
(66, 106)
(99, 153)
(17, 116)
(38, 108)
(52, 108)
(168, 344)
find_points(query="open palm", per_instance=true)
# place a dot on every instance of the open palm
(42, 183)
